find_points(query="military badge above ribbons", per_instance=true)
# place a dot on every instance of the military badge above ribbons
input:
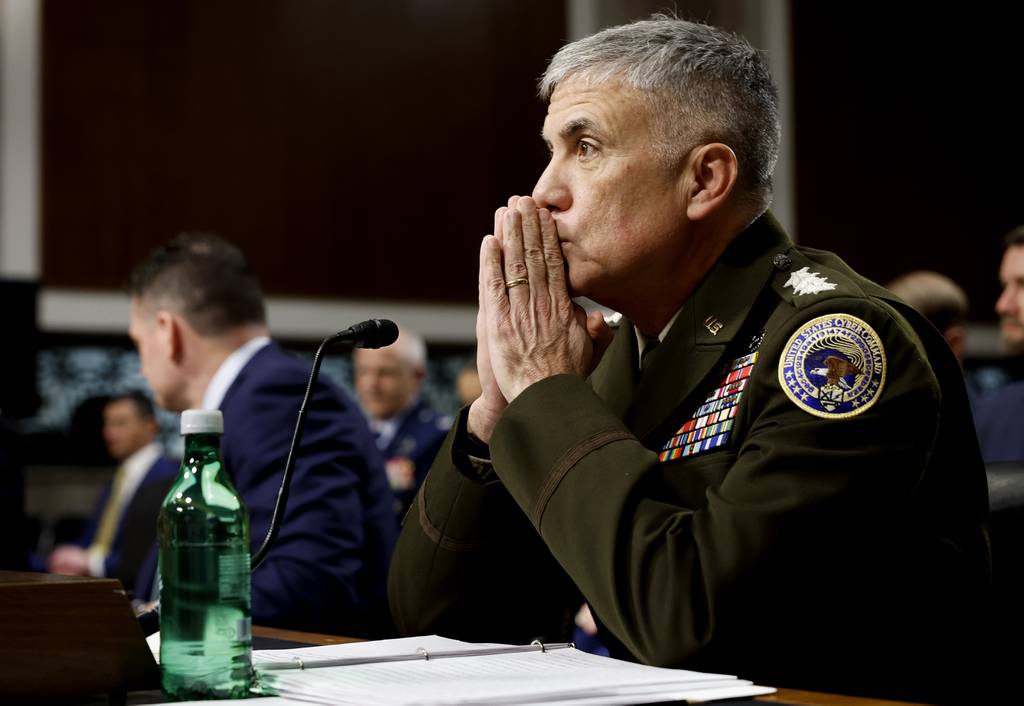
(833, 367)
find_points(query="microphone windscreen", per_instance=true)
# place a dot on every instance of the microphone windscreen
(375, 333)
(387, 332)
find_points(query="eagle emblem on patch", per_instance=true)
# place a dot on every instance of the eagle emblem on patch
(833, 367)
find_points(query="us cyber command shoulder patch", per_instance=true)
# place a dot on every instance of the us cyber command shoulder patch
(833, 367)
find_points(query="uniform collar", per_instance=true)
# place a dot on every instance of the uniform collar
(708, 322)
(385, 430)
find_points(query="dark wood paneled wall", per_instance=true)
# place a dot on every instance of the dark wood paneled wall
(909, 153)
(354, 149)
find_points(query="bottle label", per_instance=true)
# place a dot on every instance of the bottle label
(233, 571)
(244, 629)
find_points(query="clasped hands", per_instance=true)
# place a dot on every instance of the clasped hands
(527, 327)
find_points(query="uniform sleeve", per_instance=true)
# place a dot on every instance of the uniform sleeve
(671, 579)
(469, 565)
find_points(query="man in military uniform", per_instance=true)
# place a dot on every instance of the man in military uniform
(771, 470)
(408, 431)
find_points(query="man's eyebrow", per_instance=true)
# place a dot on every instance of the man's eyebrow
(573, 127)
(576, 126)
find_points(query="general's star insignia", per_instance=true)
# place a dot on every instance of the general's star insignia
(805, 282)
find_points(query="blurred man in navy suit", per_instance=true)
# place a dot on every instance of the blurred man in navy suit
(998, 416)
(123, 525)
(408, 432)
(199, 323)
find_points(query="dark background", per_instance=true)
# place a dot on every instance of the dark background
(354, 149)
(358, 149)
(908, 145)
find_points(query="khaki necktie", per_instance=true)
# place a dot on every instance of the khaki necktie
(649, 346)
(111, 513)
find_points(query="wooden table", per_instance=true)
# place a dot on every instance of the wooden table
(814, 698)
(62, 618)
(785, 696)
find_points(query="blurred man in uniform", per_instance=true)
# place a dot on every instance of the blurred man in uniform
(408, 432)
(123, 526)
(771, 470)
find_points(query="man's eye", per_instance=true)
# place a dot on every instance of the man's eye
(584, 150)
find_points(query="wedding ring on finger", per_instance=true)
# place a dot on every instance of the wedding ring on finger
(509, 284)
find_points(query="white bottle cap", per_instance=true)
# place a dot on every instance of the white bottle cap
(202, 421)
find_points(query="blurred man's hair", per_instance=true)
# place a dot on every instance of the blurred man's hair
(204, 278)
(938, 298)
(411, 347)
(143, 405)
(1014, 237)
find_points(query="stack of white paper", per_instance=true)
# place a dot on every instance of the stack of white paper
(557, 676)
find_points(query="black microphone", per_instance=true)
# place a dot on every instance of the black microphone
(375, 333)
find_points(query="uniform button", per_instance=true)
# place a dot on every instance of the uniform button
(782, 261)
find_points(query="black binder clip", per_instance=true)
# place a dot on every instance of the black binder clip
(538, 643)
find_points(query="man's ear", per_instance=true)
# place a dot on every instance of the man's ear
(711, 179)
(170, 334)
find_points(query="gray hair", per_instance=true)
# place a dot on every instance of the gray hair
(411, 348)
(702, 83)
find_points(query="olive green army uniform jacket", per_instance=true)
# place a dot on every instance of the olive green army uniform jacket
(791, 491)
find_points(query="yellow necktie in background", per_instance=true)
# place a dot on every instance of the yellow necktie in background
(111, 513)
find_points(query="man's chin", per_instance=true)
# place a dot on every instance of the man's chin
(1013, 337)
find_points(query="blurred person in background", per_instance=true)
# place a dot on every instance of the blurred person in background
(1010, 305)
(467, 383)
(199, 322)
(407, 430)
(940, 300)
(123, 526)
(999, 415)
(944, 303)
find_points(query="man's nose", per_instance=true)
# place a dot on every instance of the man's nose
(1006, 302)
(551, 191)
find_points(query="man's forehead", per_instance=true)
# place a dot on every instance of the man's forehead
(578, 105)
(1013, 262)
(120, 409)
(378, 357)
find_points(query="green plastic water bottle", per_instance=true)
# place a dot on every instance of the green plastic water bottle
(205, 587)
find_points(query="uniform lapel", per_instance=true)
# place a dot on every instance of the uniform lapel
(707, 324)
(614, 380)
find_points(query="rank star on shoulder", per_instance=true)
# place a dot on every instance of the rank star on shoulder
(803, 281)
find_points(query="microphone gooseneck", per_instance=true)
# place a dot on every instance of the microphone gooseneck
(375, 333)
